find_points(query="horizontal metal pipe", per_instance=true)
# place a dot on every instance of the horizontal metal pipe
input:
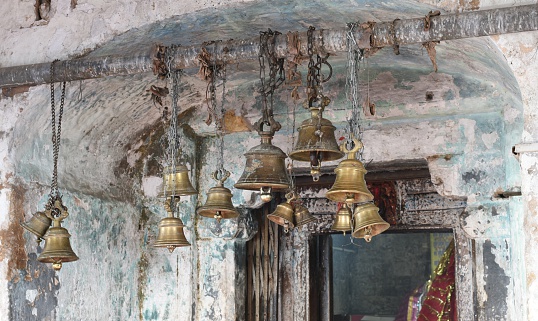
(410, 31)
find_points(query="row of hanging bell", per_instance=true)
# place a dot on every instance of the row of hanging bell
(291, 214)
(316, 142)
(57, 248)
(265, 167)
(219, 204)
(176, 183)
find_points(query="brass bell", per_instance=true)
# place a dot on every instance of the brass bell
(316, 142)
(57, 249)
(283, 214)
(176, 181)
(342, 220)
(171, 230)
(302, 215)
(219, 201)
(349, 185)
(265, 169)
(38, 225)
(368, 222)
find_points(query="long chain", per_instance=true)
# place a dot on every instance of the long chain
(311, 77)
(56, 134)
(354, 129)
(276, 66)
(174, 136)
(219, 112)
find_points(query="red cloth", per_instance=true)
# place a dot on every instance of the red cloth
(440, 302)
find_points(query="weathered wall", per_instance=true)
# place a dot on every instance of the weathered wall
(109, 170)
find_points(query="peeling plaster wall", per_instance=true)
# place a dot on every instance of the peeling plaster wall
(109, 172)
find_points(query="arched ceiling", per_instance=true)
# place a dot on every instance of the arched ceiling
(110, 119)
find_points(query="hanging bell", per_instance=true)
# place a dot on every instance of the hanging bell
(171, 230)
(302, 215)
(368, 222)
(349, 185)
(38, 225)
(219, 201)
(265, 169)
(176, 181)
(316, 142)
(342, 220)
(283, 214)
(57, 249)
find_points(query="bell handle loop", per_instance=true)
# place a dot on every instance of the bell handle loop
(223, 174)
(57, 212)
(351, 153)
(291, 196)
(274, 126)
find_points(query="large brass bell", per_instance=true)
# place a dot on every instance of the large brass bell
(176, 181)
(265, 169)
(283, 214)
(349, 185)
(342, 220)
(38, 225)
(316, 141)
(219, 201)
(367, 222)
(171, 229)
(302, 215)
(57, 249)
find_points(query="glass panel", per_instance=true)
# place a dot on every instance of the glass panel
(374, 281)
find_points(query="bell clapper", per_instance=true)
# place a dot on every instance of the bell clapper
(286, 227)
(368, 235)
(218, 216)
(265, 194)
(57, 266)
(171, 248)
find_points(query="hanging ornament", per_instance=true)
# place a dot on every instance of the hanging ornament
(265, 168)
(219, 198)
(350, 186)
(176, 180)
(57, 249)
(316, 142)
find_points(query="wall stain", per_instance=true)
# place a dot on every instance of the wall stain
(496, 285)
(473, 175)
(12, 238)
(38, 282)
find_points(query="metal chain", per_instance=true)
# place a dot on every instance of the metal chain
(276, 67)
(174, 136)
(56, 134)
(311, 76)
(354, 129)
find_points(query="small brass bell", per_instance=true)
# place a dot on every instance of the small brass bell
(219, 201)
(316, 141)
(176, 181)
(283, 214)
(368, 222)
(302, 215)
(265, 169)
(38, 225)
(57, 249)
(349, 185)
(171, 230)
(342, 220)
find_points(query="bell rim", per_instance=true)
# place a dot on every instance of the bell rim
(358, 233)
(210, 212)
(171, 243)
(280, 219)
(164, 194)
(333, 155)
(336, 197)
(254, 185)
(65, 258)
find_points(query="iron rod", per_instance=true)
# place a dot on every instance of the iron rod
(409, 31)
